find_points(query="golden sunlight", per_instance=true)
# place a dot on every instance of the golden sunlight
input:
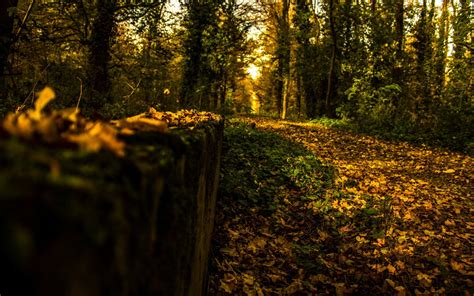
(253, 71)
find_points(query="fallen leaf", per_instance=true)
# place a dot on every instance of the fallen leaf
(391, 269)
(391, 283)
(401, 291)
(44, 97)
(248, 279)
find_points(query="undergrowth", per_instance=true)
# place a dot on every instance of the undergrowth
(258, 165)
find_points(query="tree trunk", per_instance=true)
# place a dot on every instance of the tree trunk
(283, 56)
(331, 72)
(461, 30)
(223, 94)
(285, 98)
(442, 48)
(6, 35)
(299, 91)
(399, 28)
(99, 54)
(193, 64)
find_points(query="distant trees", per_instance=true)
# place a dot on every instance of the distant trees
(396, 66)
(215, 46)
(119, 57)
(71, 45)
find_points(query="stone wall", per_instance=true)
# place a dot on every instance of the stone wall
(75, 223)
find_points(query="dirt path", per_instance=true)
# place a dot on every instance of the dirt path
(397, 222)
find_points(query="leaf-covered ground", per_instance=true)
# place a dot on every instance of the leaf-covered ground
(306, 209)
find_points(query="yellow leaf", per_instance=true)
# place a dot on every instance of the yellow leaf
(449, 171)
(142, 124)
(400, 265)
(98, 136)
(275, 277)
(229, 251)
(294, 287)
(47, 128)
(321, 278)
(227, 287)
(85, 142)
(391, 269)
(340, 289)
(424, 279)
(401, 239)
(449, 222)
(459, 267)
(429, 232)
(391, 283)
(259, 291)
(24, 126)
(248, 279)
(44, 97)
(400, 291)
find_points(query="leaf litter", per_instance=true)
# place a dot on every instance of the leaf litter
(397, 221)
(67, 127)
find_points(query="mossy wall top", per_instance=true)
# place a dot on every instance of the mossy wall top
(77, 223)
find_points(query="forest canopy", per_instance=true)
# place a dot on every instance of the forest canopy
(399, 67)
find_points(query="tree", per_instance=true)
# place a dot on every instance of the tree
(102, 28)
(200, 16)
(6, 33)
(283, 57)
(332, 77)
(215, 49)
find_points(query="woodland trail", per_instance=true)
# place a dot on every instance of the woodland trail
(396, 221)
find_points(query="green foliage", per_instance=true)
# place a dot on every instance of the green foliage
(373, 106)
(306, 173)
(332, 122)
(257, 164)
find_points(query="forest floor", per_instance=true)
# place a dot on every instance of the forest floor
(306, 209)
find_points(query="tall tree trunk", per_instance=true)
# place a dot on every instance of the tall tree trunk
(223, 95)
(462, 27)
(99, 54)
(193, 56)
(304, 84)
(197, 80)
(331, 73)
(398, 72)
(442, 48)
(299, 92)
(283, 56)
(147, 79)
(399, 28)
(6, 34)
(285, 97)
